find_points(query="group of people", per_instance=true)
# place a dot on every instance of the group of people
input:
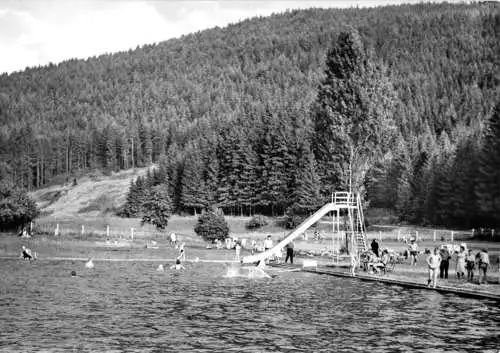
(466, 262)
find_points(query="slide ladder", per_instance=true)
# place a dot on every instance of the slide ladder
(306, 224)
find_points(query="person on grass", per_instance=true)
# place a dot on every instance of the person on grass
(289, 252)
(413, 249)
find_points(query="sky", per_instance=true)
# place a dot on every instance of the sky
(38, 32)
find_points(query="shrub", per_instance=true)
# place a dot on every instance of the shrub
(290, 221)
(16, 208)
(158, 208)
(211, 226)
(256, 222)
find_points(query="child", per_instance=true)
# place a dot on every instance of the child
(182, 253)
(178, 266)
(238, 250)
(354, 263)
(469, 263)
(26, 254)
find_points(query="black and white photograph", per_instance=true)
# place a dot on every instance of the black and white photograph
(249, 176)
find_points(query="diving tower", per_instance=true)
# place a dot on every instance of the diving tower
(342, 203)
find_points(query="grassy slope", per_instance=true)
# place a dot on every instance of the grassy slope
(94, 200)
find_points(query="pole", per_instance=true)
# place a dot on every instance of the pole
(399, 234)
(416, 235)
(83, 229)
(434, 237)
(132, 233)
(107, 231)
(452, 236)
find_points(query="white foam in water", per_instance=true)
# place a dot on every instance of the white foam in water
(247, 272)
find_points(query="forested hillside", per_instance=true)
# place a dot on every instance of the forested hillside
(263, 115)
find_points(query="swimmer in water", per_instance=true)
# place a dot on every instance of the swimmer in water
(89, 263)
(182, 253)
(178, 266)
(26, 254)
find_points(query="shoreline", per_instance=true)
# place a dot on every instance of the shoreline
(439, 288)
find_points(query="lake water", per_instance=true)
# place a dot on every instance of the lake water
(129, 307)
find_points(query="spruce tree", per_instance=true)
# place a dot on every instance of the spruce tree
(488, 179)
(353, 119)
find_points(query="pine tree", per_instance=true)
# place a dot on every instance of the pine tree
(192, 180)
(353, 115)
(488, 179)
(158, 208)
(306, 194)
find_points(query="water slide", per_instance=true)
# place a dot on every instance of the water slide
(308, 222)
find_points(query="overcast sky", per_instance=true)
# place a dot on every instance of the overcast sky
(37, 32)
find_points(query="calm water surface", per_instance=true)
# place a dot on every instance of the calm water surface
(129, 307)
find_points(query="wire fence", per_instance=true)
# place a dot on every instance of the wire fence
(89, 230)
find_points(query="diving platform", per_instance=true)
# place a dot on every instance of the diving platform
(341, 202)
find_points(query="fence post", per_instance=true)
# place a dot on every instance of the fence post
(379, 236)
(132, 233)
(83, 229)
(452, 236)
(399, 234)
(31, 227)
(434, 236)
(56, 232)
(492, 233)
(107, 231)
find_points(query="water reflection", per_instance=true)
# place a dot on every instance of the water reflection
(131, 307)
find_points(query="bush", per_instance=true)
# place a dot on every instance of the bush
(290, 221)
(158, 208)
(212, 225)
(256, 222)
(16, 208)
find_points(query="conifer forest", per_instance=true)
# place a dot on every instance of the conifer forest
(272, 114)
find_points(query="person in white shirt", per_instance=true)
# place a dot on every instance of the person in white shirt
(433, 261)
(268, 243)
(237, 249)
(173, 238)
(413, 253)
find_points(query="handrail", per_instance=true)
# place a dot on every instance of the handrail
(343, 198)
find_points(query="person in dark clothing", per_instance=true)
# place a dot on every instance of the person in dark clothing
(375, 247)
(289, 252)
(445, 262)
(26, 254)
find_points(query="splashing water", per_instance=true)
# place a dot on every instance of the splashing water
(247, 272)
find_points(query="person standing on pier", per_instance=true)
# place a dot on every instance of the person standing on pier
(413, 252)
(470, 263)
(445, 262)
(289, 251)
(483, 261)
(375, 247)
(433, 261)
